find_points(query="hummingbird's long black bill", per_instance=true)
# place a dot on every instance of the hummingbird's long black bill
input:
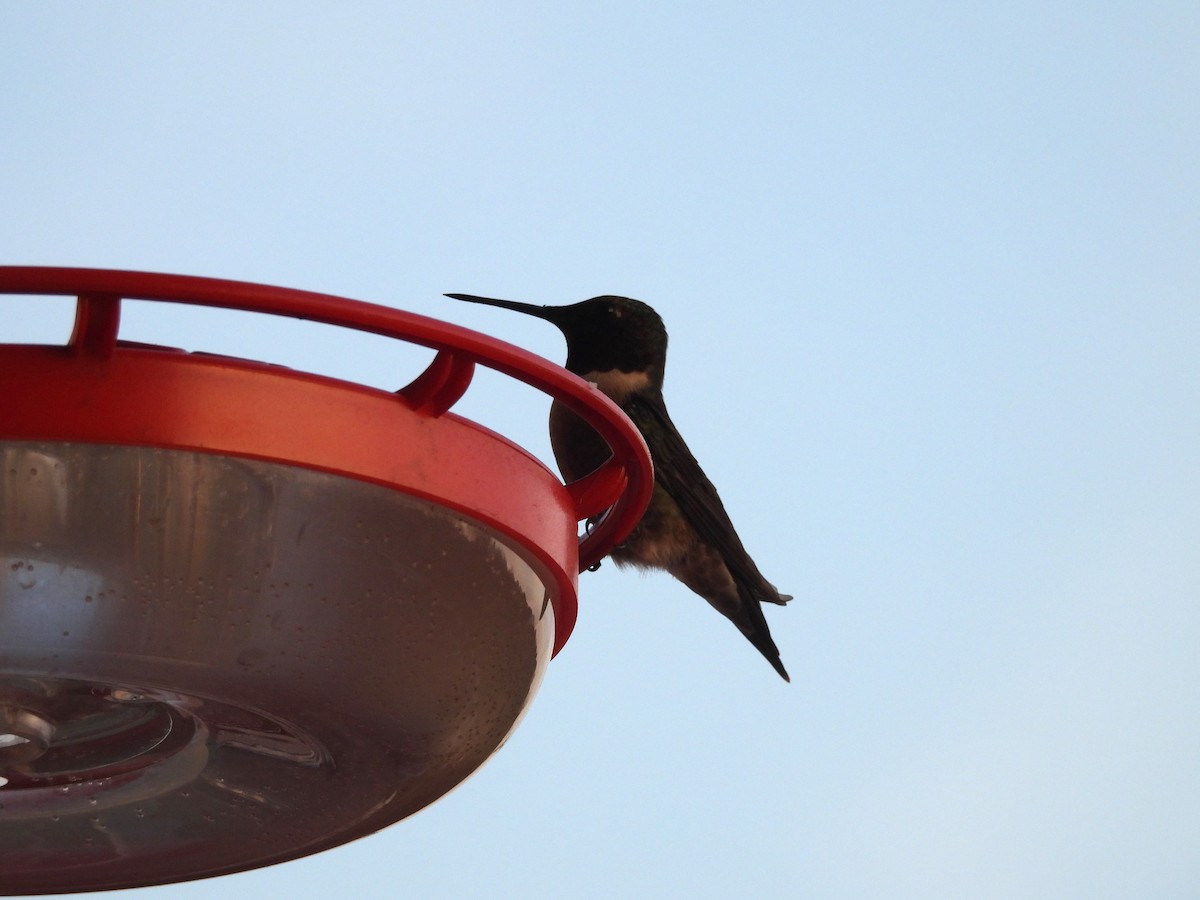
(549, 313)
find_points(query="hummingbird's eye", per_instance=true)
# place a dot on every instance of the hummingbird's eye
(614, 310)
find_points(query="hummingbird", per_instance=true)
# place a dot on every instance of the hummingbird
(620, 345)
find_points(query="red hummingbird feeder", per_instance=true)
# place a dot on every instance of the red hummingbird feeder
(249, 613)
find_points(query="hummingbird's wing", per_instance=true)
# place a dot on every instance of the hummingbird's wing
(677, 471)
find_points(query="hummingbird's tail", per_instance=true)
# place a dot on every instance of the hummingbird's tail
(753, 624)
(740, 602)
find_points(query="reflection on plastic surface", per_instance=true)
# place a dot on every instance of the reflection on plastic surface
(209, 664)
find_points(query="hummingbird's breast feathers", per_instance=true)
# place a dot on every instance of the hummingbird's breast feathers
(617, 385)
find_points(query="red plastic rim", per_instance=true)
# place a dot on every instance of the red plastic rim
(320, 422)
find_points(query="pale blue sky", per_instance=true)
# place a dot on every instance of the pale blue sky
(930, 274)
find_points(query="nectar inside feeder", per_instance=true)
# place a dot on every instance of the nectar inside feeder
(249, 613)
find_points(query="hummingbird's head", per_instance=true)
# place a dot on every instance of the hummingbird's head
(603, 333)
